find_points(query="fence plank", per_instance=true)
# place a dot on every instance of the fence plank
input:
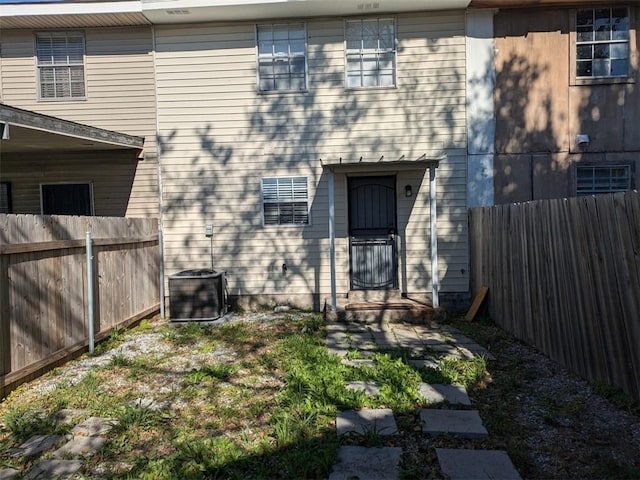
(564, 275)
(43, 310)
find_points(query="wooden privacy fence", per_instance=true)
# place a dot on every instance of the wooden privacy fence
(564, 275)
(44, 289)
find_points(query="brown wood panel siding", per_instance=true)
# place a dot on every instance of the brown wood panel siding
(540, 110)
(120, 87)
(219, 138)
(564, 276)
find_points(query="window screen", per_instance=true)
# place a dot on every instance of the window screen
(5, 197)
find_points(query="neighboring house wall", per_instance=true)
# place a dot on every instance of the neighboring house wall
(219, 138)
(120, 96)
(541, 108)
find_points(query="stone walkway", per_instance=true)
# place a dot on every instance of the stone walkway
(60, 455)
(425, 345)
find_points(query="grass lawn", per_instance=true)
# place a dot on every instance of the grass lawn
(243, 400)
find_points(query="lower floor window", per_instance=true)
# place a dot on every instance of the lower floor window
(5, 197)
(594, 179)
(66, 199)
(285, 201)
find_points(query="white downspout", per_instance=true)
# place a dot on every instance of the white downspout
(433, 220)
(332, 239)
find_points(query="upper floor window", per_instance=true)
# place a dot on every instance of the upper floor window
(60, 59)
(282, 52)
(285, 201)
(370, 53)
(602, 43)
(594, 179)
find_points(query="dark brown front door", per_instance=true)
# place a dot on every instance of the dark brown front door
(372, 233)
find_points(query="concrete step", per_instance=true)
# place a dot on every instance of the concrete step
(367, 463)
(373, 295)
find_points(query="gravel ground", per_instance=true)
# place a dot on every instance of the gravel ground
(550, 421)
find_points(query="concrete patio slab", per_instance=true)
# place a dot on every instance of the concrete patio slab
(459, 423)
(80, 447)
(370, 388)
(436, 393)
(366, 421)
(58, 469)
(37, 445)
(94, 426)
(476, 464)
(367, 463)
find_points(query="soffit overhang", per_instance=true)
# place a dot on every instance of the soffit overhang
(69, 14)
(31, 132)
(181, 11)
(81, 14)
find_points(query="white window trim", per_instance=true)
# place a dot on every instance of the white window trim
(84, 66)
(91, 196)
(284, 225)
(592, 166)
(306, 59)
(395, 55)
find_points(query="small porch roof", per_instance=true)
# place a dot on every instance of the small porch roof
(31, 132)
(383, 164)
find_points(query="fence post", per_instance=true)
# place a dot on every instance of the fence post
(5, 330)
(90, 302)
(161, 246)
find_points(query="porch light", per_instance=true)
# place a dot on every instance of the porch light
(408, 191)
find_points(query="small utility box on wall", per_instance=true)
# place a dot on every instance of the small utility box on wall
(197, 295)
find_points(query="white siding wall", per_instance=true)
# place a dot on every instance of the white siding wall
(219, 138)
(120, 94)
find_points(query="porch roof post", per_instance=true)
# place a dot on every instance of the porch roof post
(332, 239)
(433, 220)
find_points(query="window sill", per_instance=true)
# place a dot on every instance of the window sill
(603, 81)
(65, 99)
(282, 92)
(358, 89)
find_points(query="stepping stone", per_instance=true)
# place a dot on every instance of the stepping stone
(80, 447)
(370, 388)
(368, 420)
(367, 463)
(149, 404)
(359, 362)
(340, 352)
(476, 464)
(58, 469)
(459, 423)
(94, 426)
(424, 363)
(37, 444)
(436, 393)
(477, 350)
(8, 473)
(68, 415)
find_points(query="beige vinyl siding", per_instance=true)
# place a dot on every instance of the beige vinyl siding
(120, 94)
(111, 174)
(220, 138)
